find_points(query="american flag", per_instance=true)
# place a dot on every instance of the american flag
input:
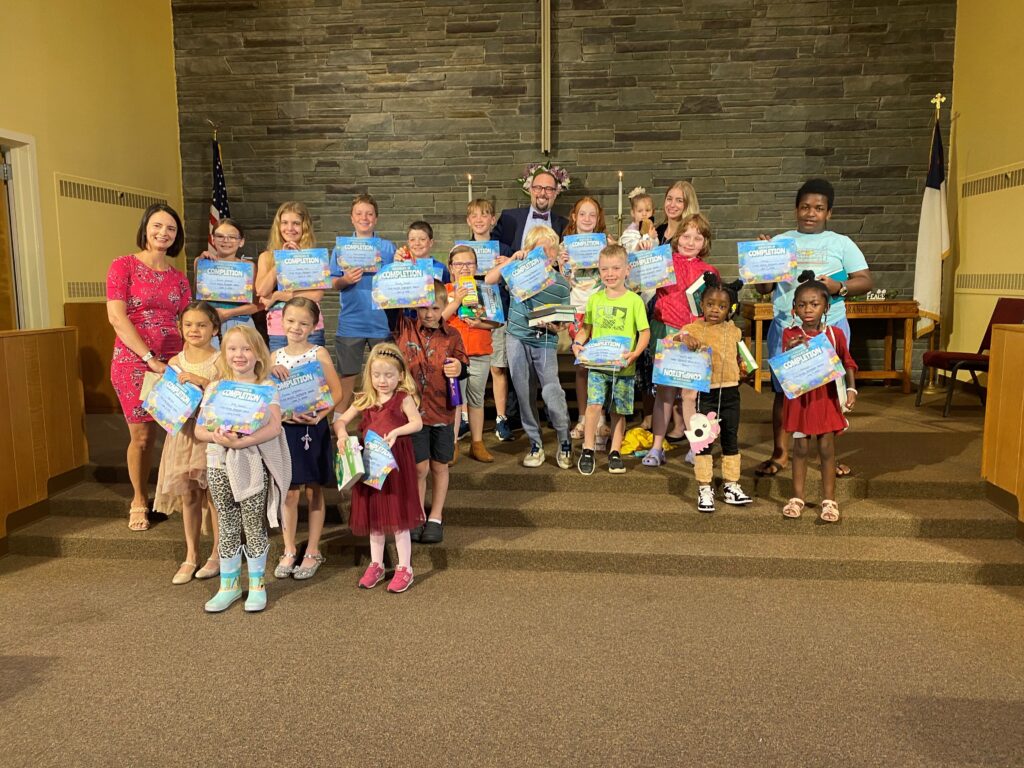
(219, 199)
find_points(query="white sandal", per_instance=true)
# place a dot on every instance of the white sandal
(829, 511)
(794, 508)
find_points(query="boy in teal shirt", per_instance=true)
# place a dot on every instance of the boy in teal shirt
(614, 311)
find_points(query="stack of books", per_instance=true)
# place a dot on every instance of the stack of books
(552, 313)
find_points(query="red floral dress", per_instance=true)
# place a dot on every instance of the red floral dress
(152, 300)
(817, 412)
(396, 506)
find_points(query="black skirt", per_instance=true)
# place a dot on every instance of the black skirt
(312, 450)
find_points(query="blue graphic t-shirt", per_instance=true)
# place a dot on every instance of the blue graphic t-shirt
(359, 317)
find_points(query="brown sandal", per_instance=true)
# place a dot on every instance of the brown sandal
(793, 509)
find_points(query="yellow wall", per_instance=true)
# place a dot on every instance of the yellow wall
(989, 113)
(93, 83)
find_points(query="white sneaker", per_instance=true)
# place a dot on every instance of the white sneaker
(733, 494)
(705, 499)
(690, 458)
(535, 458)
(564, 456)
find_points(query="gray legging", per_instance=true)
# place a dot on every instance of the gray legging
(250, 513)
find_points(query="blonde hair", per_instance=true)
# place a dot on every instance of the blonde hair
(481, 204)
(388, 353)
(255, 341)
(692, 206)
(538, 234)
(613, 251)
(307, 240)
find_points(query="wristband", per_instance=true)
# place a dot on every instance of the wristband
(851, 389)
(148, 356)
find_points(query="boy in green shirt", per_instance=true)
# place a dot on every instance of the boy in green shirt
(614, 311)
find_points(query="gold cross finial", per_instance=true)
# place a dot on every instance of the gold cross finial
(938, 100)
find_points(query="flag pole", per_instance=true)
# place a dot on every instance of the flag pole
(215, 127)
(931, 387)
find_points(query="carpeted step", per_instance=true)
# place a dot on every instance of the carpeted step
(826, 553)
(622, 510)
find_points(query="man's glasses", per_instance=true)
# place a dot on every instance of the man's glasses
(538, 189)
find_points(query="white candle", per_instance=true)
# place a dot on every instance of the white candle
(469, 180)
(620, 194)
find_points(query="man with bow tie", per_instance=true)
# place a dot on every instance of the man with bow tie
(514, 223)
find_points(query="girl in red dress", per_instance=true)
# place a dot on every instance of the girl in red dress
(389, 406)
(816, 413)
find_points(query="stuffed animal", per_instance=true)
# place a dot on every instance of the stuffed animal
(703, 431)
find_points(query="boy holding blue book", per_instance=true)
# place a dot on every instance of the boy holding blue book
(614, 311)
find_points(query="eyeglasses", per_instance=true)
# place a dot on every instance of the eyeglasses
(463, 264)
(538, 189)
(229, 238)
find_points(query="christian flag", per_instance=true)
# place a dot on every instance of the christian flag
(219, 199)
(932, 240)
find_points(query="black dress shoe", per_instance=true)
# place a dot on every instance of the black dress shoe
(416, 534)
(433, 533)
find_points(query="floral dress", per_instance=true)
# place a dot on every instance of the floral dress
(152, 300)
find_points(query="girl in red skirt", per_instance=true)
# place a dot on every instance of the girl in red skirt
(389, 406)
(817, 413)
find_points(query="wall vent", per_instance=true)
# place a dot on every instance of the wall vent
(993, 183)
(95, 289)
(1009, 283)
(100, 193)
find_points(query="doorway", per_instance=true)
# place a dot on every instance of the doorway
(8, 280)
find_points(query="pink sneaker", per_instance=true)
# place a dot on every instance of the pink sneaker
(402, 580)
(373, 576)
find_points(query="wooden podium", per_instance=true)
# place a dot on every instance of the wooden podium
(758, 313)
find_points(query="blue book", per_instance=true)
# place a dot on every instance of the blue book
(171, 402)
(490, 300)
(767, 261)
(676, 365)
(363, 252)
(404, 284)
(807, 366)
(224, 281)
(236, 406)
(486, 252)
(650, 270)
(584, 249)
(379, 460)
(305, 391)
(529, 276)
(303, 270)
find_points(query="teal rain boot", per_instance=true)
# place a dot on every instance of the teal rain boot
(256, 600)
(230, 589)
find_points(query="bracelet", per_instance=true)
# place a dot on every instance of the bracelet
(148, 356)
(851, 389)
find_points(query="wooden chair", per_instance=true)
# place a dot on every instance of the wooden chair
(1007, 312)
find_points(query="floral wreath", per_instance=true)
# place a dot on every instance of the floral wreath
(562, 180)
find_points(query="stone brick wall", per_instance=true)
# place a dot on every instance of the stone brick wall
(320, 99)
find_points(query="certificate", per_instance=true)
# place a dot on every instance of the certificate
(528, 277)
(806, 367)
(228, 281)
(171, 402)
(490, 300)
(305, 391)
(379, 460)
(649, 270)
(308, 269)
(486, 252)
(676, 365)
(236, 406)
(767, 261)
(584, 249)
(362, 252)
(606, 353)
(404, 284)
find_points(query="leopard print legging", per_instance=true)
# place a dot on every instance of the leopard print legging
(250, 513)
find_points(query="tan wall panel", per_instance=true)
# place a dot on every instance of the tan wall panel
(95, 348)
(1003, 446)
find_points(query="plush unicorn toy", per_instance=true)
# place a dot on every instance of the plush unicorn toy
(703, 431)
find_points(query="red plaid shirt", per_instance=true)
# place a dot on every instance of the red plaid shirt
(425, 351)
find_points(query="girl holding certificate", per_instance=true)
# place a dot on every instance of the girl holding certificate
(388, 405)
(586, 218)
(817, 413)
(181, 483)
(228, 239)
(247, 474)
(292, 230)
(309, 441)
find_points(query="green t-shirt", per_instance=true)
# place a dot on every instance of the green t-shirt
(624, 316)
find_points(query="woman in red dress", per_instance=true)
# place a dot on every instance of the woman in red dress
(144, 296)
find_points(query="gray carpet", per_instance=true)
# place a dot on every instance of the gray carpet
(104, 663)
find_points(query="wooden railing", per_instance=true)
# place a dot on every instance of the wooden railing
(42, 422)
(1002, 453)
